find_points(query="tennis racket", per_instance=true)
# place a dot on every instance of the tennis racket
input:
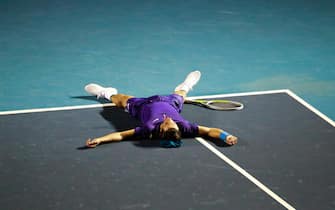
(216, 104)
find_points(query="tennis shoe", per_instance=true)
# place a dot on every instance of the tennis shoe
(99, 91)
(191, 80)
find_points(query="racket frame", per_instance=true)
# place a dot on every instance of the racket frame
(207, 103)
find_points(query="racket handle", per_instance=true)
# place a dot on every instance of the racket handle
(224, 135)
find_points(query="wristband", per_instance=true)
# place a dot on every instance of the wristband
(223, 135)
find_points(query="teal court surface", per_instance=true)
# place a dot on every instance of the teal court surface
(284, 159)
(51, 49)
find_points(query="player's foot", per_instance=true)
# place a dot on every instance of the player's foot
(191, 80)
(99, 91)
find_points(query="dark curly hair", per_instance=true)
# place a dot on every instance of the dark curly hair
(171, 134)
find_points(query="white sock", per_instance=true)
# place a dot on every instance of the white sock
(108, 96)
(107, 93)
(184, 87)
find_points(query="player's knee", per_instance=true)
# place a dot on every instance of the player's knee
(120, 100)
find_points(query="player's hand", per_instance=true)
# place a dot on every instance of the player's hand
(92, 143)
(231, 140)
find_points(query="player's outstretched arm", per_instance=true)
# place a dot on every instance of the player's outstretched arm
(218, 133)
(116, 136)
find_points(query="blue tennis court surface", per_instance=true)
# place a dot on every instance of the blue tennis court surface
(284, 160)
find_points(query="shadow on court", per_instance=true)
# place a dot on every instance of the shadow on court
(121, 120)
(90, 98)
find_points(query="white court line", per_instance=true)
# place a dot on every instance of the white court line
(241, 94)
(24, 111)
(289, 92)
(246, 174)
(310, 107)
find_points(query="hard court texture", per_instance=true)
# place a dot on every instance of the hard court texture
(281, 143)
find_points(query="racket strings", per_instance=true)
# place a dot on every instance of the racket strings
(217, 104)
(224, 105)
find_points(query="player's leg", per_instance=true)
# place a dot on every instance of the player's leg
(192, 79)
(109, 93)
(120, 100)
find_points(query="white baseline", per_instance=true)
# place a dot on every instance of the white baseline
(289, 92)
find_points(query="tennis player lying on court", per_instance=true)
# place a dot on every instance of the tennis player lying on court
(159, 115)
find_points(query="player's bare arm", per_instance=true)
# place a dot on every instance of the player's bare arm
(115, 136)
(217, 133)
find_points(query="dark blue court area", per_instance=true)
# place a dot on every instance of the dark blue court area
(49, 51)
(283, 144)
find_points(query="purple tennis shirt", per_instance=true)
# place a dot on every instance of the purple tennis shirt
(151, 112)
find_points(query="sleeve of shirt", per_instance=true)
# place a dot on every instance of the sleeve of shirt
(189, 130)
(142, 132)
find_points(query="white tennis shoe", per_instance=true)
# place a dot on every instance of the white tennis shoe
(99, 91)
(191, 80)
